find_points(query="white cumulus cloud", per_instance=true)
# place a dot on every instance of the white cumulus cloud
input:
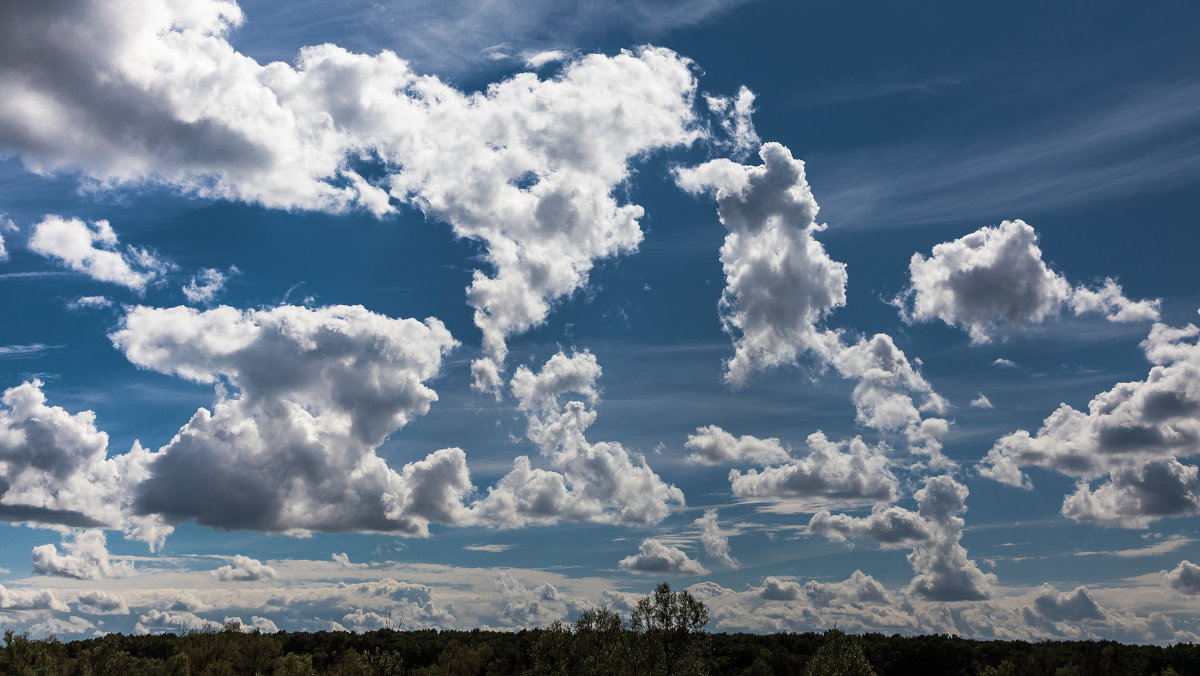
(656, 558)
(779, 282)
(245, 569)
(837, 471)
(716, 542)
(588, 481)
(93, 249)
(84, 557)
(1134, 433)
(995, 278)
(943, 570)
(293, 448)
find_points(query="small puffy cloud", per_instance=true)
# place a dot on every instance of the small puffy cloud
(891, 527)
(779, 281)
(343, 561)
(982, 401)
(995, 277)
(89, 303)
(712, 445)
(84, 557)
(1185, 578)
(58, 626)
(538, 59)
(1075, 606)
(188, 602)
(836, 471)
(1005, 363)
(5, 224)
(1110, 301)
(93, 250)
(206, 285)
(857, 590)
(558, 376)
(654, 557)
(716, 543)
(245, 569)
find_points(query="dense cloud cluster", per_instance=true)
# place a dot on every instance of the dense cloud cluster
(1133, 433)
(995, 277)
(153, 90)
(780, 285)
(599, 481)
(293, 449)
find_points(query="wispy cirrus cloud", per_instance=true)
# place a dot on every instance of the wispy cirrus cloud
(1145, 142)
(456, 37)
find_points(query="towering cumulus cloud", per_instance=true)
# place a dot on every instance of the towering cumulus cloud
(152, 90)
(779, 282)
(1134, 433)
(995, 277)
(293, 447)
(943, 570)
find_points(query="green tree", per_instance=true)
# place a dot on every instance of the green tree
(668, 627)
(600, 644)
(839, 655)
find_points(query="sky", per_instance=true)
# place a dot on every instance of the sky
(344, 316)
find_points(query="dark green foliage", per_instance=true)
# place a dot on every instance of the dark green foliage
(664, 635)
(839, 655)
(669, 639)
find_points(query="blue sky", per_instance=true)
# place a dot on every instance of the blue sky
(425, 314)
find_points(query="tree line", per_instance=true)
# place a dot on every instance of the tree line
(663, 636)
